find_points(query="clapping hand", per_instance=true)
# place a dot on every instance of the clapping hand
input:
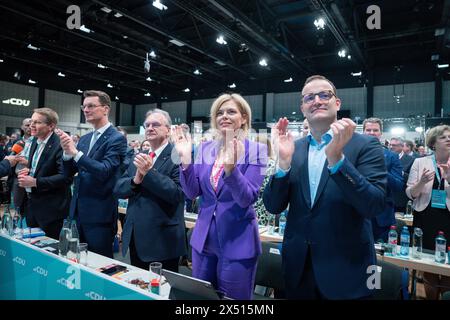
(427, 176)
(67, 143)
(342, 133)
(143, 163)
(283, 143)
(232, 152)
(183, 145)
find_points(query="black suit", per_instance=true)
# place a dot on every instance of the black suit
(154, 228)
(48, 203)
(400, 198)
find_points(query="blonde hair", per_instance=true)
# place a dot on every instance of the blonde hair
(242, 104)
(434, 133)
(51, 117)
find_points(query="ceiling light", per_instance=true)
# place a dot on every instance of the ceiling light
(149, 79)
(356, 74)
(30, 46)
(32, 81)
(84, 29)
(439, 32)
(147, 94)
(101, 66)
(434, 57)
(342, 53)
(221, 40)
(232, 86)
(441, 66)
(288, 80)
(152, 54)
(157, 4)
(349, 57)
(187, 90)
(176, 42)
(79, 91)
(197, 72)
(117, 98)
(319, 23)
(118, 15)
(125, 37)
(220, 63)
(1, 60)
(60, 74)
(263, 62)
(110, 85)
(105, 9)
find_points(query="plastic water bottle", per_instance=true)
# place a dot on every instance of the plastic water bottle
(64, 237)
(439, 254)
(404, 241)
(271, 224)
(417, 243)
(7, 222)
(282, 223)
(409, 208)
(392, 240)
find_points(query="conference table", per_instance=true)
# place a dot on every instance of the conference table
(32, 272)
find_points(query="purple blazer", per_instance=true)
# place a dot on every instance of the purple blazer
(236, 222)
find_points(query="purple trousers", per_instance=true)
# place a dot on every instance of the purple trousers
(235, 278)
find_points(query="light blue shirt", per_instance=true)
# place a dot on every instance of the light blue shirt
(316, 162)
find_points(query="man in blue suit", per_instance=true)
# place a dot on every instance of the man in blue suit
(334, 181)
(382, 222)
(6, 164)
(97, 158)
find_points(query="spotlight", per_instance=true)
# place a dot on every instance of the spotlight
(147, 64)
(263, 62)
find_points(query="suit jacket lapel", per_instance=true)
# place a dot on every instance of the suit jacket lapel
(323, 181)
(47, 148)
(302, 156)
(104, 137)
(165, 154)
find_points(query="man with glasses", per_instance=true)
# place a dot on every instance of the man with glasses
(154, 229)
(48, 196)
(97, 159)
(334, 181)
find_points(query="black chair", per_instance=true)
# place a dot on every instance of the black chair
(268, 272)
(394, 282)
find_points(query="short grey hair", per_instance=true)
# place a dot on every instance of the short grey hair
(398, 139)
(164, 113)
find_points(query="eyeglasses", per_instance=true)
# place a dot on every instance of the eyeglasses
(36, 122)
(90, 106)
(154, 124)
(323, 96)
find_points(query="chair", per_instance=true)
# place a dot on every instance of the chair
(268, 272)
(394, 282)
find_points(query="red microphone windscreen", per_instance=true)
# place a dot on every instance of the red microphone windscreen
(17, 147)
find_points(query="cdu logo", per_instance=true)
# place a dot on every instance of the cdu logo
(374, 280)
(94, 295)
(20, 261)
(41, 271)
(17, 102)
(73, 281)
(2, 253)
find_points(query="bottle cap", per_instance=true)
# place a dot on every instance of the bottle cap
(393, 227)
(441, 233)
(154, 283)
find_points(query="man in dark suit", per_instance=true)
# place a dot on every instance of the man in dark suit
(97, 159)
(48, 196)
(154, 228)
(334, 181)
(400, 198)
(382, 222)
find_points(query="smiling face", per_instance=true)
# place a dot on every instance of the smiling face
(156, 129)
(229, 117)
(319, 103)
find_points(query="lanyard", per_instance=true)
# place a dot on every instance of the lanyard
(436, 169)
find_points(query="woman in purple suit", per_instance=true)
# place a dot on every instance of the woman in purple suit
(227, 174)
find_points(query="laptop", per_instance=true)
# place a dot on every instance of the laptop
(188, 288)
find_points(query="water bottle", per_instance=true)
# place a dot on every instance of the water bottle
(73, 252)
(417, 243)
(404, 241)
(282, 223)
(18, 225)
(271, 224)
(439, 254)
(7, 222)
(64, 237)
(409, 208)
(392, 241)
